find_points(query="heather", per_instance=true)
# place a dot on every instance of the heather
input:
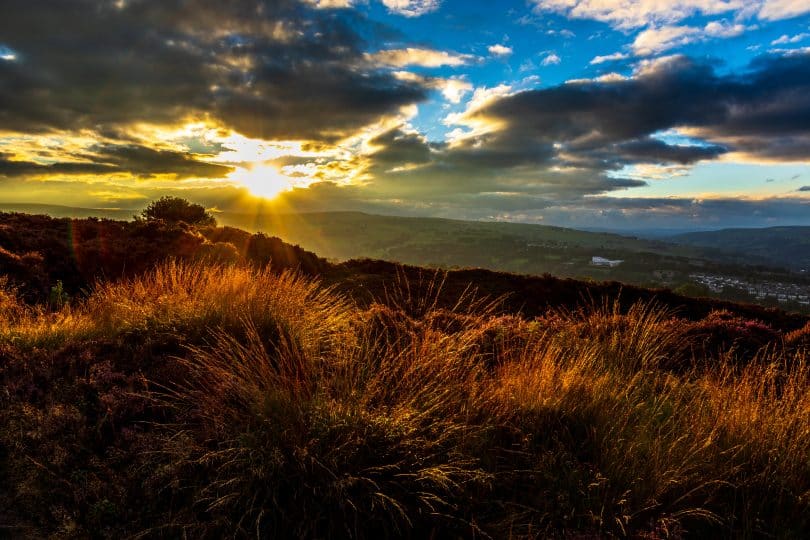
(207, 399)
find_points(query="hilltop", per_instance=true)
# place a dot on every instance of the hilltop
(163, 380)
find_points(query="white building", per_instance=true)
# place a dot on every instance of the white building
(601, 261)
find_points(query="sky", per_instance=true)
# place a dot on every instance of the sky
(618, 114)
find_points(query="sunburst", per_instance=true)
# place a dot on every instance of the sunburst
(263, 181)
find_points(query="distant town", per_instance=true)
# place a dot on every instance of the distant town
(779, 291)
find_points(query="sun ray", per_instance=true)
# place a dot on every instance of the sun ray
(263, 181)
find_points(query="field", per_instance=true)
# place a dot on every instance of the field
(205, 397)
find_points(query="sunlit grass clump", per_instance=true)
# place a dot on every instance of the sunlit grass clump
(271, 406)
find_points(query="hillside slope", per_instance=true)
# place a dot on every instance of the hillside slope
(36, 252)
(214, 383)
(782, 246)
(206, 401)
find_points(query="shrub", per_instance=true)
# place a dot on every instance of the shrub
(175, 210)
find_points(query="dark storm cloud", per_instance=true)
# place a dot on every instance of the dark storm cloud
(592, 114)
(656, 151)
(400, 147)
(110, 158)
(12, 168)
(405, 164)
(271, 69)
(145, 161)
(764, 112)
(573, 139)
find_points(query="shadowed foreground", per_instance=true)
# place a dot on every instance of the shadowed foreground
(209, 401)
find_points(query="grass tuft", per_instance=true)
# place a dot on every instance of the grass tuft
(219, 400)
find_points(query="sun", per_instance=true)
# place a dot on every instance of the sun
(263, 181)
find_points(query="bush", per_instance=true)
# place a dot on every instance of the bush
(175, 210)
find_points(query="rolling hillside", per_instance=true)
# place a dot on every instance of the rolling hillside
(524, 249)
(781, 246)
(537, 250)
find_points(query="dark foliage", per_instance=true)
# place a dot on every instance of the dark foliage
(533, 296)
(176, 210)
(38, 251)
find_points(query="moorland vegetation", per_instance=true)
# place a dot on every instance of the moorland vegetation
(244, 387)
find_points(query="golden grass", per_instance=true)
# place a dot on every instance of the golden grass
(303, 415)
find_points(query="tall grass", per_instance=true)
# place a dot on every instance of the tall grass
(299, 414)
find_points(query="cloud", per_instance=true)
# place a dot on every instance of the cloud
(412, 8)
(724, 29)
(634, 14)
(785, 39)
(609, 58)
(276, 69)
(7, 55)
(631, 14)
(129, 159)
(145, 161)
(604, 126)
(499, 50)
(17, 168)
(406, 8)
(804, 188)
(413, 56)
(783, 9)
(656, 40)
(454, 89)
(801, 51)
(551, 59)
(331, 4)
(399, 148)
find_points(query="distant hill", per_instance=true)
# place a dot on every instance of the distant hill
(37, 252)
(60, 211)
(504, 246)
(781, 246)
(536, 250)
(519, 248)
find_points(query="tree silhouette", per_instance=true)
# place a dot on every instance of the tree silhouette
(175, 209)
